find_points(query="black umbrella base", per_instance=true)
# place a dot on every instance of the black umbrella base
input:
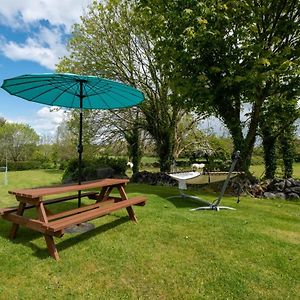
(81, 228)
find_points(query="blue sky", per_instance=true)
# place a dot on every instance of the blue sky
(33, 35)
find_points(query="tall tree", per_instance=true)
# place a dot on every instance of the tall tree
(278, 133)
(18, 141)
(222, 54)
(112, 41)
(109, 128)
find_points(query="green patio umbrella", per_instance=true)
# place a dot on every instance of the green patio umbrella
(73, 91)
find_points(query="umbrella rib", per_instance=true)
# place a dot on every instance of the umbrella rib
(64, 91)
(92, 88)
(113, 91)
(34, 80)
(28, 89)
(49, 90)
(88, 97)
(34, 87)
(118, 86)
(99, 94)
(74, 97)
(120, 95)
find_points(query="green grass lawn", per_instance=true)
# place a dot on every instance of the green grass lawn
(258, 171)
(172, 253)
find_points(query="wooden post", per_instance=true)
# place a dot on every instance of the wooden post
(15, 227)
(51, 246)
(48, 238)
(129, 209)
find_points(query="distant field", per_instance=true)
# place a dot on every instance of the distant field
(257, 170)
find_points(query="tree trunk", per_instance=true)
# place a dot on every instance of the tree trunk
(269, 146)
(231, 117)
(165, 153)
(287, 149)
(134, 147)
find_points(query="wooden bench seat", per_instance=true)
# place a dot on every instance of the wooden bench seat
(91, 195)
(88, 213)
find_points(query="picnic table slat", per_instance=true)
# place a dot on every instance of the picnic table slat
(93, 214)
(91, 195)
(40, 192)
(27, 222)
(76, 210)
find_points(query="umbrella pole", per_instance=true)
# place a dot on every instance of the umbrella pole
(80, 147)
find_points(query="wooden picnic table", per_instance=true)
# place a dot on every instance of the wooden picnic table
(50, 224)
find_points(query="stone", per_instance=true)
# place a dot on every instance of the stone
(288, 183)
(269, 195)
(280, 195)
(294, 182)
(292, 196)
(279, 186)
(295, 189)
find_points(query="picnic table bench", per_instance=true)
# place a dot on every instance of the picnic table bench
(53, 224)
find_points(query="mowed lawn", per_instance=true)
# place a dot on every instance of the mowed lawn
(172, 253)
(258, 171)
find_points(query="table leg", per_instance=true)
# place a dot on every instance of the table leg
(104, 193)
(15, 227)
(129, 209)
(131, 214)
(51, 246)
(48, 238)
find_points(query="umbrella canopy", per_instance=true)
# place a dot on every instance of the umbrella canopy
(67, 90)
(73, 91)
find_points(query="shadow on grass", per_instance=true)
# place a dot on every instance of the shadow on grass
(27, 236)
(184, 202)
(171, 195)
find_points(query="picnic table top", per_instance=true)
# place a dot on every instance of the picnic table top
(59, 189)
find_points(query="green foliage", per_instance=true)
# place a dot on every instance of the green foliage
(24, 165)
(297, 149)
(269, 145)
(17, 141)
(287, 150)
(222, 55)
(277, 130)
(89, 168)
(216, 155)
(134, 147)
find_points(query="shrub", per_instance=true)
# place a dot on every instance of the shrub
(22, 165)
(90, 168)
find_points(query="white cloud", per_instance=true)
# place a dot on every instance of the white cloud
(45, 22)
(45, 122)
(18, 13)
(45, 47)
